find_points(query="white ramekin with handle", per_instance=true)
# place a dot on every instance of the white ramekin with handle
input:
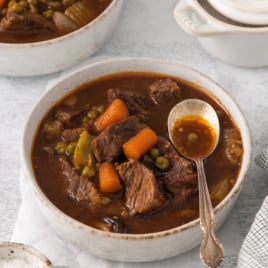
(239, 45)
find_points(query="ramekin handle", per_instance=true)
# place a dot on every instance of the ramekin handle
(194, 20)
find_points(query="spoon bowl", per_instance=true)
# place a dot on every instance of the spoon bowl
(194, 107)
(211, 250)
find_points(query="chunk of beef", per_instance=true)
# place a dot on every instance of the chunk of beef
(141, 188)
(108, 144)
(233, 145)
(52, 128)
(68, 113)
(26, 22)
(163, 90)
(135, 102)
(80, 189)
(180, 179)
(71, 134)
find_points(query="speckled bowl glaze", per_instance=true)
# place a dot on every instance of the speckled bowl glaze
(16, 255)
(130, 247)
(59, 53)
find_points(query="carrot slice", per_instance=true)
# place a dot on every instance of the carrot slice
(115, 112)
(138, 145)
(109, 181)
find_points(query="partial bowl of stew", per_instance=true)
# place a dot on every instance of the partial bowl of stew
(39, 37)
(97, 155)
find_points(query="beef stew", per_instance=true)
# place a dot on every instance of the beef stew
(159, 189)
(25, 21)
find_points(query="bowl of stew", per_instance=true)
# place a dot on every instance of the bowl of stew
(115, 183)
(39, 37)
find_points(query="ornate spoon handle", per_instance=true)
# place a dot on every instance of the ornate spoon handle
(211, 250)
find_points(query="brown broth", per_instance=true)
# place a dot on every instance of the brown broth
(174, 213)
(193, 136)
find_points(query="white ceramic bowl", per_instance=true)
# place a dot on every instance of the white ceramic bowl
(62, 52)
(236, 44)
(143, 247)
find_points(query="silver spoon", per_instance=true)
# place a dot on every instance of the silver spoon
(211, 250)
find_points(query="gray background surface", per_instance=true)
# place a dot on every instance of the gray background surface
(146, 28)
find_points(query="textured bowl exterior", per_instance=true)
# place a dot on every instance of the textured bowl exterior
(146, 247)
(62, 52)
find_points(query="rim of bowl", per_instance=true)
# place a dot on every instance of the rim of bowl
(30, 251)
(68, 35)
(30, 176)
(232, 27)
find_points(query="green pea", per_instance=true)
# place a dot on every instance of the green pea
(100, 109)
(70, 148)
(48, 13)
(85, 119)
(192, 137)
(142, 117)
(92, 114)
(154, 152)
(88, 172)
(162, 163)
(61, 147)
